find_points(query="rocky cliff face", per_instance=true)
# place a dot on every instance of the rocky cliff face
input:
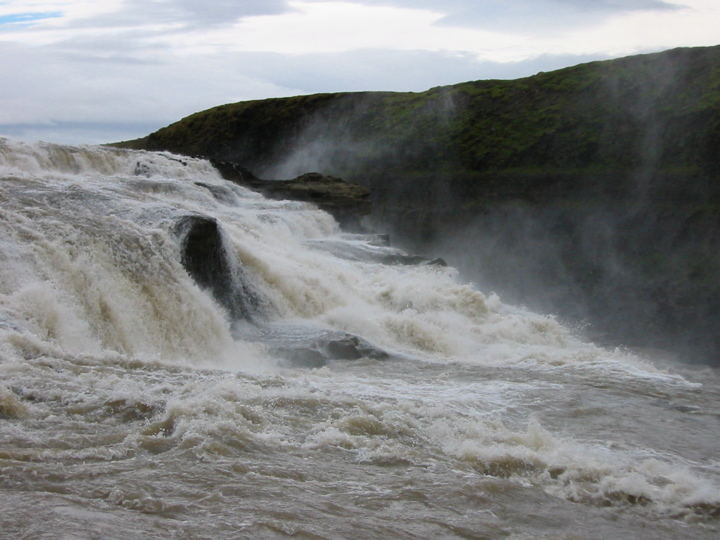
(592, 191)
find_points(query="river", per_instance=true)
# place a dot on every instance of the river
(286, 381)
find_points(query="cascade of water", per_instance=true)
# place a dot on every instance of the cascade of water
(128, 245)
(152, 320)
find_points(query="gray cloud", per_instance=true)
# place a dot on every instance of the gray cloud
(187, 13)
(380, 69)
(52, 88)
(221, 11)
(534, 16)
(475, 13)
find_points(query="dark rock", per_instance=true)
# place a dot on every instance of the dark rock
(348, 203)
(141, 169)
(347, 348)
(205, 257)
(233, 171)
(352, 347)
(324, 349)
(180, 161)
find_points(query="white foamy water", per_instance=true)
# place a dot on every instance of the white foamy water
(285, 382)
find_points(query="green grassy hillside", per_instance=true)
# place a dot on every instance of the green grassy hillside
(613, 115)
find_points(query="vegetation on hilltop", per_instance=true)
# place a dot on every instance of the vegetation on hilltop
(610, 115)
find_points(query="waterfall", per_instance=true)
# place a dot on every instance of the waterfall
(180, 356)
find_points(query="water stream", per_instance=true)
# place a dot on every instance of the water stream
(182, 358)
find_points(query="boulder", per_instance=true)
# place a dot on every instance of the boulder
(204, 256)
(319, 351)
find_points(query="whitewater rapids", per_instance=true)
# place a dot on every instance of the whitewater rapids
(304, 389)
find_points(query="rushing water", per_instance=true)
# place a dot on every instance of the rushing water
(283, 382)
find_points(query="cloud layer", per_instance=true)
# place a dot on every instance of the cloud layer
(538, 16)
(88, 71)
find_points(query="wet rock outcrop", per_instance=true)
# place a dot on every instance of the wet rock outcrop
(347, 202)
(327, 348)
(206, 258)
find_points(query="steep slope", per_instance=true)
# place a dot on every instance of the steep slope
(590, 191)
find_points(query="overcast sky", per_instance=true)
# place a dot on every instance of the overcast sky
(104, 70)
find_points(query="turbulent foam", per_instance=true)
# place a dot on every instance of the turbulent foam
(92, 265)
(579, 472)
(52, 160)
(113, 359)
(10, 405)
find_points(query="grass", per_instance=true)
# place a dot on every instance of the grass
(621, 114)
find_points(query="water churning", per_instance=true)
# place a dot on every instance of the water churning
(180, 357)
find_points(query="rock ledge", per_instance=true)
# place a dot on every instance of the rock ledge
(347, 202)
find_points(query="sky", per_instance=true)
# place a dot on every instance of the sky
(94, 71)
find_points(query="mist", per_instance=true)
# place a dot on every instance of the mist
(626, 255)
